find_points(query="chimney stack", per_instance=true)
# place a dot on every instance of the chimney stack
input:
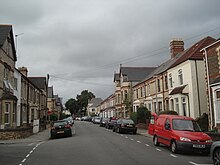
(23, 70)
(176, 46)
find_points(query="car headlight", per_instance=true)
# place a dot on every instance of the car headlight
(185, 139)
(209, 141)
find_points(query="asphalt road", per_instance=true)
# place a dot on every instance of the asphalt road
(93, 145)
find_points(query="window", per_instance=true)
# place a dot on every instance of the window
(126, 94)
(170, 80)
(158, 85)
(149, 107)
(180, 76)
(184, 105)
(7, 113)
(14, 113)
(166, 82)
(177, 105)
(15, 84)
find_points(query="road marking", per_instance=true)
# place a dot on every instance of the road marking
(132, 139)
(197, 163)
(23, 160)
(126, 137)
(30, 144)
(122, 135)
(158, 149)
(30, 152)
(138, 141)
(146, 145)
(173, 155)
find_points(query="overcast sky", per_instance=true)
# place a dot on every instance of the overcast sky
(81, 43)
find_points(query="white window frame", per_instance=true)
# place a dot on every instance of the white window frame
(7, 112)
(180, 76)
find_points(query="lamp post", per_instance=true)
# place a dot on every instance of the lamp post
(16, 40)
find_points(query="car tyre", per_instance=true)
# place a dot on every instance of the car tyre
(155, 139)
(173, 146)
(135, 132)
(216, 156)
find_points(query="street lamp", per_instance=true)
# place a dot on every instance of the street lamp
(16, 40)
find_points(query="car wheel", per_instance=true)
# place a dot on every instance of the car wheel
(216, 156)
(155, 139)
(173, 146)
(135, 132)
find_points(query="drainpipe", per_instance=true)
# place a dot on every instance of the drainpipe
(197, 84)
(209, 91)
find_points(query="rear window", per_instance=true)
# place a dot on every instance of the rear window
(128, 121)
(59, 123)
(186, 125)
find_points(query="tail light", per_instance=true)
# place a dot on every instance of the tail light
(67, 126)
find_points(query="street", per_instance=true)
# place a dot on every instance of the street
(96, 145)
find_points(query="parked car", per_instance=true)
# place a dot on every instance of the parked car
(215, 153)
(125, 126)
(181, 133)
(69, 120)
(103, 122)
(110, 123)
(96, 120)
(60, 128)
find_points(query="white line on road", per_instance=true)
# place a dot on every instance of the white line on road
(27, 155)
(30, 144)
(126, 137)
(158, 149)
(31, 151)
(146, 145)
(23, 160)
(132, 139)
(173, 155)
(122, 135)
(197, 163)
(138, 141)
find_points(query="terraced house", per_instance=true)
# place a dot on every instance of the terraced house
(178, 84)
(124, 81)
(8, 100)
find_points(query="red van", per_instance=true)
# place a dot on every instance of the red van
(180, 133)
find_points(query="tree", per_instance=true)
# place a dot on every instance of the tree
(83, 99)
(143, 114)
(72, 105)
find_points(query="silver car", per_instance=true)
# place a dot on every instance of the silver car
(215, 152)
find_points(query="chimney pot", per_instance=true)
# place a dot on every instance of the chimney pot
(176, 47)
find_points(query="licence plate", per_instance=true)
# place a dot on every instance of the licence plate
(198, 146)
(60, 132)
(129, 125)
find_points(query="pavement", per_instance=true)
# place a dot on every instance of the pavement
(144, 132)
(38, 137)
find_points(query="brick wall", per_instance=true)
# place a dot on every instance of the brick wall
(15, 133)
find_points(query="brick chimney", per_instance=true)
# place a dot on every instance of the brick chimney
(176, 46)
(23, 70)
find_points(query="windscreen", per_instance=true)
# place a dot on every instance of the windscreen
(186, 125)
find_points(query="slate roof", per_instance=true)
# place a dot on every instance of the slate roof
(194, 53)
(136, 73)
(95, 101)
(40, 82)
(4, 31)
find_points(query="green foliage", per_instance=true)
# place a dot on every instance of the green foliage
(168, 112)
(62, 116)
(133, 117)
(143, 114)
(80, 103)
(53, 117)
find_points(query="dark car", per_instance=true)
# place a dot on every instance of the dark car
(110, 123)
(125, 126)
(103, 122)
(215, 152)
(60, 128)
